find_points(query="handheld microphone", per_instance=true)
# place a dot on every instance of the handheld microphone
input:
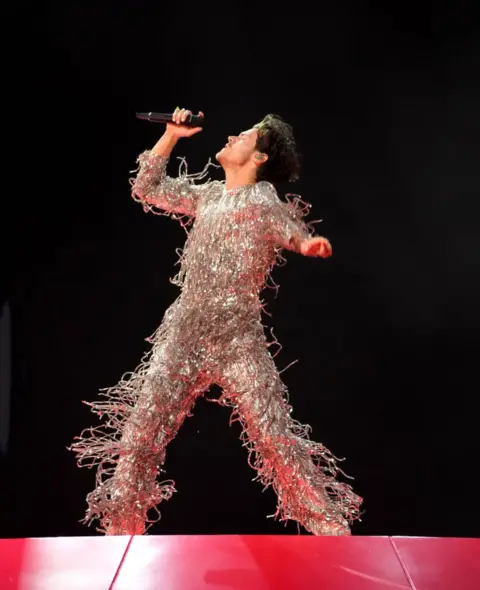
(191, 120)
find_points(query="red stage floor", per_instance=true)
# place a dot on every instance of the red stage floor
(239, 562)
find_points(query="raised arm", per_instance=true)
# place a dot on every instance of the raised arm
(286, 227)
(152, 187)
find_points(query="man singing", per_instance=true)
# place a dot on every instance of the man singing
(212, 334)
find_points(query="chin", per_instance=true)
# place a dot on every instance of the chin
(220, 156)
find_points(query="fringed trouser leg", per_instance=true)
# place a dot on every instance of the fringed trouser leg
(144, 414)
(302, 472)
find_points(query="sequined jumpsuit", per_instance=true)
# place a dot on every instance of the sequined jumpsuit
(211, 334)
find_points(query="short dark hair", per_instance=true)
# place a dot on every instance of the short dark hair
(275, 138)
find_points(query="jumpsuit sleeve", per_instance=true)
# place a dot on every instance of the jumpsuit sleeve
(285, 223)
(157, 191)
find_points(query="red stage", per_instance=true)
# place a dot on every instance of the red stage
(239, 562)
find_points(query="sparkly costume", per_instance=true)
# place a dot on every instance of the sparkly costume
(212, 334)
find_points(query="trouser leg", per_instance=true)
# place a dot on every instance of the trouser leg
(302, 472)
(145, 412)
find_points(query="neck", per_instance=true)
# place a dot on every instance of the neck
(238, 178)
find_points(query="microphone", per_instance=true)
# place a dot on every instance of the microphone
(191, 120)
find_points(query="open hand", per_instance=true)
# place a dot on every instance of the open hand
(317, 246)
(176, 129)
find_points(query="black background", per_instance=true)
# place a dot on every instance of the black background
(384, 102)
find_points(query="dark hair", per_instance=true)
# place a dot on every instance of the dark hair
(275, 138)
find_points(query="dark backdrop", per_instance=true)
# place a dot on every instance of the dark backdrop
(384, 102)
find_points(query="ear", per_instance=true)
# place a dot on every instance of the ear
(260, 158)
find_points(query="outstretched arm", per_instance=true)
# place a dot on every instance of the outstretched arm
(152, 187)
(286, 227)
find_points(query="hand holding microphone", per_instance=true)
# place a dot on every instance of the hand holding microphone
(178, 128)
(182, 123)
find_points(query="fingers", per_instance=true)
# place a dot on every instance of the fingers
(176, 115)
(325, 249)
(180, 115)
(180, 119)
(192, 130)
(320, 247)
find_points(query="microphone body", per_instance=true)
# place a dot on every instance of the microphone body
(191, 120)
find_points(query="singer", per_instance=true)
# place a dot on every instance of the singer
(213, 334)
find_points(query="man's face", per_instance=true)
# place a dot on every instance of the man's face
(239, 149)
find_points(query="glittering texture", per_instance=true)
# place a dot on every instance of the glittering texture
(212, 333)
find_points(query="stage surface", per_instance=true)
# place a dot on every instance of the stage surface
(239, 562)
